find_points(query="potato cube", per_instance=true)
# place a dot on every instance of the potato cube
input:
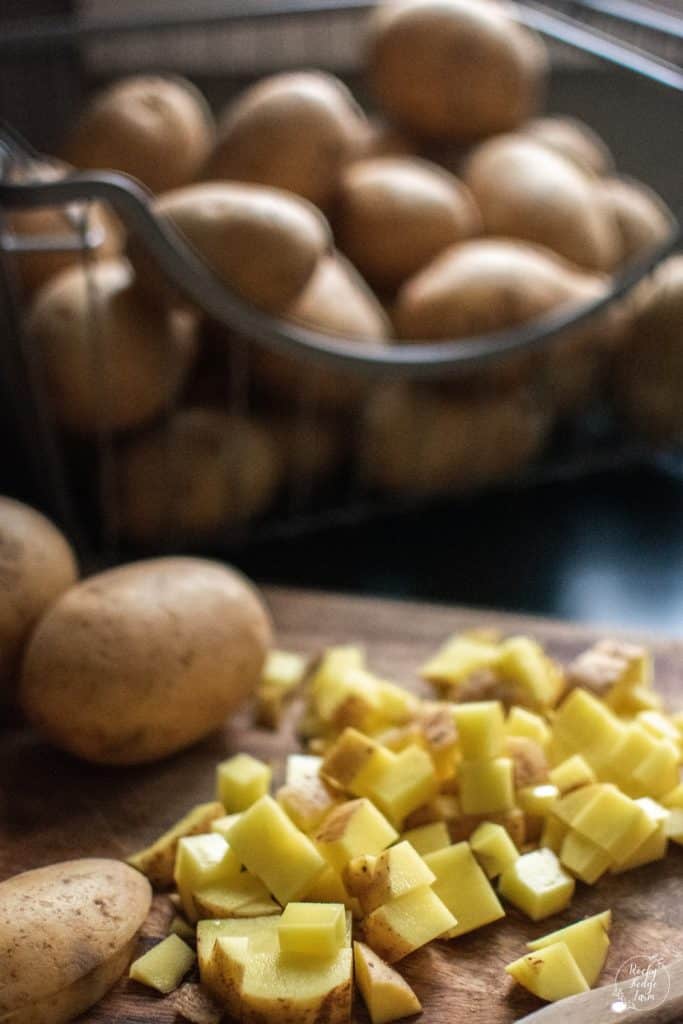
(334, 664)
(307, 801)
(164, 966)
(377, 880)
(352, 829)
(480, 728)
(609, 665)
(550, 973)
(243, 896)
(407, 782)
(241, 781)
(522, 722)
(493, 848)
(587, 941)
(537, 885)
(354, 761)
(352, 698)
(529, 763)
(628, 702)
(300, 767)
(568, 807)
(674, 825)
(271, 847)
(674, 798)
(200, 861)
(280, 987)
(458, 659)
(260, 931)
(655, 846)
(537, 801)
(486, 786)
(428, 838)
(386, 994)
(537, 678)
(283, 672)
(223, 824)
(614, 822)
(658, 773)
(398, 928)
(584, 725)
(584, 858)
(464, 888)
(397, 705)
(660, 726)
(553, 833)
(158, 860)
(572, 773)
(312, 929)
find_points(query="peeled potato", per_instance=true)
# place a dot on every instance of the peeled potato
(110, 360)
(574, 140)
(36, 564)
(138, 662)
(202, 471)
(157, 128)
(395, 214)
(292, 131)
(67, 933)
(262, 242)
(643, 219)
(525, 190)
(454, 69)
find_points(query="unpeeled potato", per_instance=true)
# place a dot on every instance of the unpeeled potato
(525, 190)
(574, 140)
(110, 360)
(395, 214)
(158, 128)
(643, 219)
(292, 131)
(454, 69)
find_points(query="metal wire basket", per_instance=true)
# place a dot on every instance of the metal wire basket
(81, 483)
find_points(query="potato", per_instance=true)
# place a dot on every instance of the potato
(453, 69)
(573, 139)
(525, 190)
(200, 472)
(157, 128)
(261, 242)
(395, 214)
(110, 360)
(643, 219)
(385, 993)
(67, 933)
(37, 564)
(648, 372)
(292, 131)
(140, 661)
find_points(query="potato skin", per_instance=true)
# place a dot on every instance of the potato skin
(643, 219)
(574, 140)
(453, 69)
(292, 131)
(67, 932)
(37, 564)
(138, 662)
(158, 128)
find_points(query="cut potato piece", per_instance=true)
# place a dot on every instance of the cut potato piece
(481, 729)
(158, 860)
(307, 801)
(243, 896)
(486, 787)
(572, 773)
(406, 782)
(551, 973)
(377, 880)
(584, 858)
(386, 994)
(351, 830)
(655, 846)
(587, 941)
(402, 926)
(464, 889)
(164, 966)
(241, 781)
(522, 722)
(282, 674)
(352, 760)
(262, 931)
(614, 822)
(312, 929)
(428, 838)
(200, 861)
(537, 885)
(278, 987)
(494, 849)
(223, 824)
(458, 659)
(536, 677)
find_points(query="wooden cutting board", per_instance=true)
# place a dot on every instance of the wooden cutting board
(53, 808)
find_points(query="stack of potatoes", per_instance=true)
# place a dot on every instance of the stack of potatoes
(454, 211)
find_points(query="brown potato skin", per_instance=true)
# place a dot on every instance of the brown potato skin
(454, 70)
(67, 933)
(395, 214)
(37, 564)
(158, 128)
(138, 662)
(574, 140)
(643, 219)
(292, 131)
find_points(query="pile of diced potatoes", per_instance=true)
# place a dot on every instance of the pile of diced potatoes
(410, 820)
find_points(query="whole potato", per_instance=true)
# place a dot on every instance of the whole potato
(574, 140)
(202, 471)
(647, 376)
(292, 131)
(158, 128)
(643, 219)
(454, 69)
(395, 214)
(138, 662)
(110, 359)
(525, 190)
(67, 933)
(36, 565)
(262, 242)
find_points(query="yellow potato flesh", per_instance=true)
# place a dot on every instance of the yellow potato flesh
(464, 889)
(387, 995)
(313, 929)
(398, 928)
(550, 973)
(164, 966)
(537, 885)
(241, 781)
(494, 849)
(586, 940)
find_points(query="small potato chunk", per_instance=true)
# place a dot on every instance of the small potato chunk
(458, 659)
(494, 849)
(398, 928)
(262, 931)
(406, 782)
(572, 773)
(164, 966)
(282, 675)
(378, 880)
(614, 822)
(524, 662)
(158, 860)
(584, 725)
(312, 929)
(241, 781)
(537, 801)
(201, 861)
(386, 994)
(351, 830)
(307, 801)
(551, 973)
(583, 857)
(428, 838)
(522, 722)
(352, 761)
(480, 728)
(242, 896)
(464, 889)
(586, 940)
(537, 885)
(223, 824)
(530, 765)
(486, 787)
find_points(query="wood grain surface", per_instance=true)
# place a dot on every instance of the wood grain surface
(53, 807)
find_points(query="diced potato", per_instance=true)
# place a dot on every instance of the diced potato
(200, 861)
(614, 822)
(329, 888)
(584, 858)
(386, 994)
(271, 847)
(241, 781)
(353, 829)
(440, 737)
(458, 659)
(464, 888)
(655, 846)
(481, 729)
(522, 722)
(398, 928)
(537, 678)
(352, 697)
(397, 704)
(312, 929)
(486, 786)
(279, 987)
(158, 860)
(584, 725)
(493, 848)
(674, 798)
(609, 666)
(334, 664)
(428, 838)
(377, 880)
(635, 747)
(164, 966)
(537, 884)
(354, 761)
(407, 782)
(301, 767)
(674, 825)
(553, 833)
(243, 896)
(180, 927)
(658, 773)
(260, 931)
(550, 973)
(587, 941)
(530, 765)
(568, 807)
(537, 801)
(572, 773)
(660, 726)
(307, 801)
(223, 824)
(282, 675)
